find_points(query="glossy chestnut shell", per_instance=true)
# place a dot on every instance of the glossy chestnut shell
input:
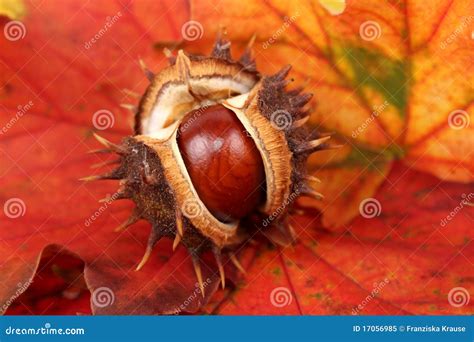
(223, 162)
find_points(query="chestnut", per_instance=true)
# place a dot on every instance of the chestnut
(216, 146)
(223, 162)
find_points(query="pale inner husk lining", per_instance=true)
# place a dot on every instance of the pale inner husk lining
(175, 95)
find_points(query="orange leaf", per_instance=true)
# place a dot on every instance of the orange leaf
(63, 64)
(394, 260)
(392, 80)
(58, 287)
(68, 62)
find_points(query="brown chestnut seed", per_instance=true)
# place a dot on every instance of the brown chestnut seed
(223, 162)
(205, 158)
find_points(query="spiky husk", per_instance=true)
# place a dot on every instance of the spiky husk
(143, 181)
(152, 176)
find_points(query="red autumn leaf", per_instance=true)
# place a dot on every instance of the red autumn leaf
(395, 260)
(57, 288)
(73, 62)
(60, 77)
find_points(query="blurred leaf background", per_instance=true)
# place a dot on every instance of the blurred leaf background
(392, 80)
